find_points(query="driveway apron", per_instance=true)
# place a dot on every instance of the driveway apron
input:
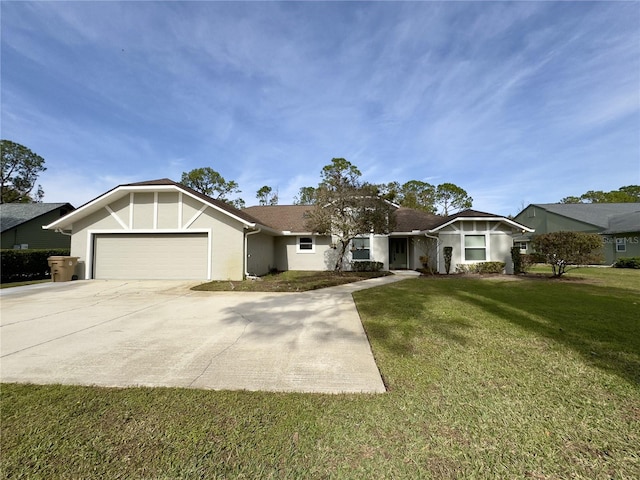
(160, 333)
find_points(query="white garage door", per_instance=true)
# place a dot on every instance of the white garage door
(151, 256)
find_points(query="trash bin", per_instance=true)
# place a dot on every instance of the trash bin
(62, 268)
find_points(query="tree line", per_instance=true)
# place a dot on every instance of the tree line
(20, 168)
(444, 199)
(628, 194)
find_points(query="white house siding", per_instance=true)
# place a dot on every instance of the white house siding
(498, 242)
(102, 220)
(288, 258)
(421, 245)
(260, 255)
(449, 238)
(501, 243)
(164, 212)
(168, 210)
(379, 246)
(227, 247)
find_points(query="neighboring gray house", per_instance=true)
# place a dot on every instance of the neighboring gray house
(21, 225)
(618, 223)
(162, 229)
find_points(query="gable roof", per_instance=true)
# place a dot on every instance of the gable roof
(291, 218)
(15, 214)
(150, 185)
(469, 214)
(284, 218)
(597, 214)
(410, 220)
(625, 223)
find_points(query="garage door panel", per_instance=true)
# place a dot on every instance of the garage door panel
(151, 256)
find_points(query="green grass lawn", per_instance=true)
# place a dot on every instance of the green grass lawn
(22, 284)
(492, 377)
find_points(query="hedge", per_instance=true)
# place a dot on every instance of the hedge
(25, 265)
(481, 268)
(628, 262)
(366, 266)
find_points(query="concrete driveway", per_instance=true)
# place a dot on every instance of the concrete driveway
(160, 333)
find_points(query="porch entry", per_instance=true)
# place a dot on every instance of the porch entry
(398, 253)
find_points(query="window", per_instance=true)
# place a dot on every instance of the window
(621, 245)
(305, 245)
(475, 248)
(360, 249)
(521, 245)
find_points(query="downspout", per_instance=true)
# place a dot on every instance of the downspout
(59, 230)
(437, 239)
(246, 251)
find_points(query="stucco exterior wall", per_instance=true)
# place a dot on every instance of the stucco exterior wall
(150, 212)
(260, 254)
(380, 250)
(287, 256)
(498, 243)
(422, 246)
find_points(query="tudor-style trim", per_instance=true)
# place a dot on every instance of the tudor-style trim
(131, 203)
(155, 210)
(195, 217)
(117, 192)
(116, 217)
(482, 219)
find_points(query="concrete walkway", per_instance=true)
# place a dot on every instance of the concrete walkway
(160, 333)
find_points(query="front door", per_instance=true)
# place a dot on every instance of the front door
(398, 253)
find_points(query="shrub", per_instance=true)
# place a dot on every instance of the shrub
(465, 268)
(528, 260)
(481, 268)
(516, 257)
(25, 265)
(561, 249)
(522, 262)
(490, 267)
(628, 262)
(448, 254)
(366, 266)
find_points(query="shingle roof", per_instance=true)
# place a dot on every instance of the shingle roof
(625, 223)
(285, 218)
(408, 220)
(291, 218)
(597, 214)
(468, 213)
(14, 214)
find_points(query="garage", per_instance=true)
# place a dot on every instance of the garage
(154, 256)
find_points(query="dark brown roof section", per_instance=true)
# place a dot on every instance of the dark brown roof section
(218, 203)
(408, 220)
(468, 213)
(285, 218)
(292, 218)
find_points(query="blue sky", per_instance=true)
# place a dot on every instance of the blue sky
(516, 102)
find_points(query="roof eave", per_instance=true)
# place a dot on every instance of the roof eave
(508, 221)
(107, 198)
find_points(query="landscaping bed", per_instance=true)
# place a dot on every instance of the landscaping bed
(290, 281)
